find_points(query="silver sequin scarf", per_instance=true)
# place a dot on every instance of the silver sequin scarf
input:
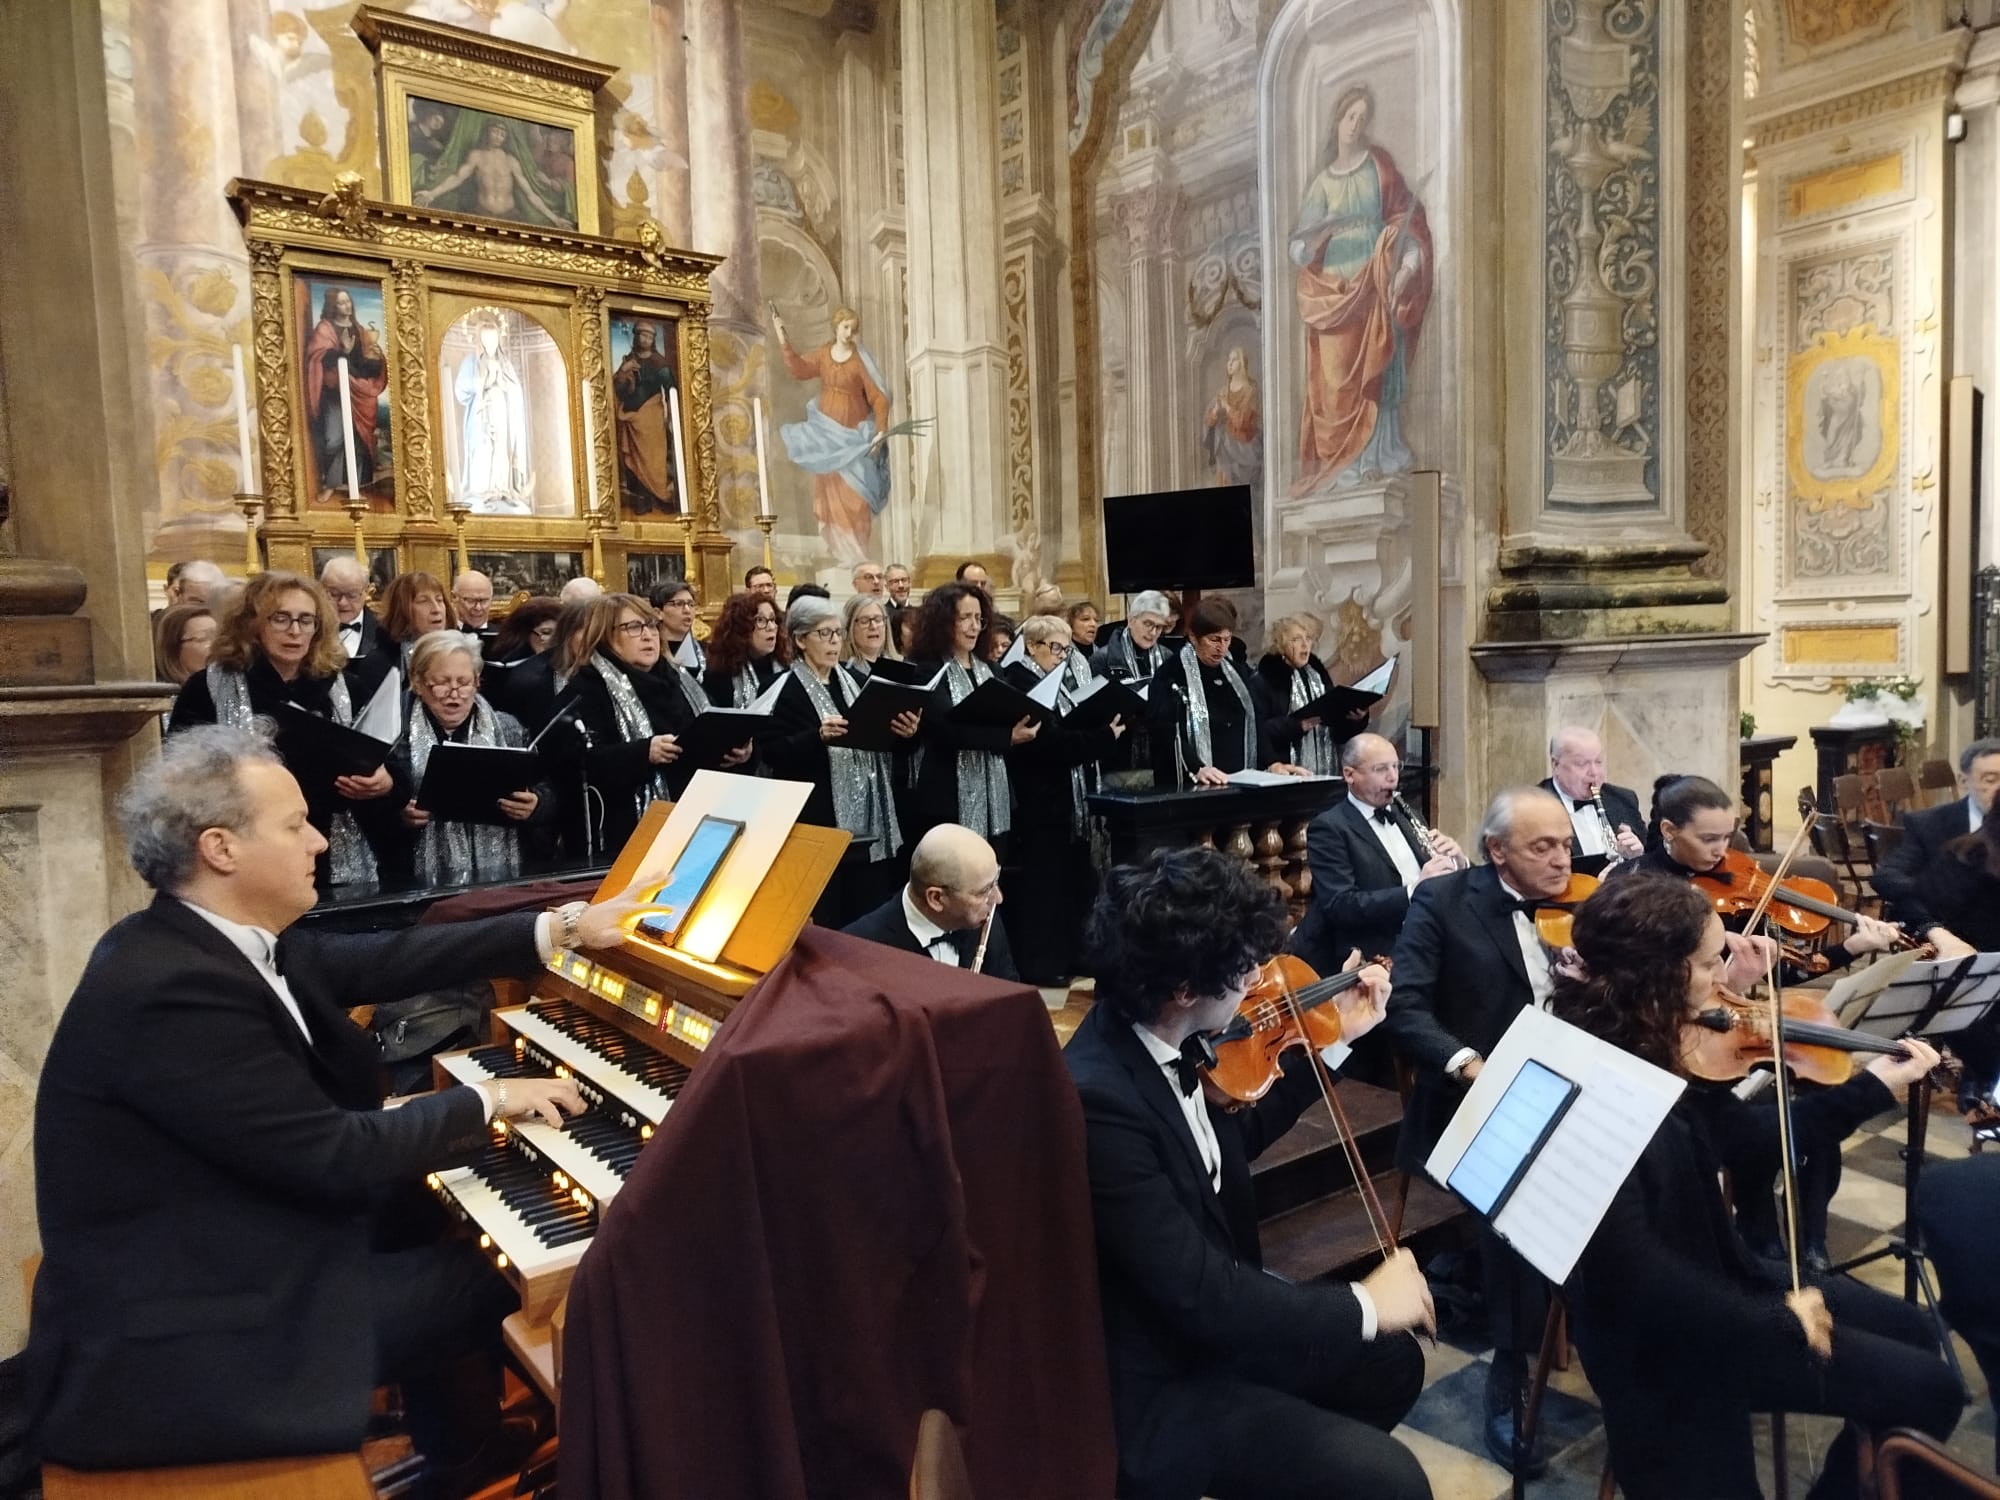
(633, 724)
(1197, 702)
(453, 850)
(348, 857)
(1079, 778)
(984, 804)
(862, 803)
(1316, 745)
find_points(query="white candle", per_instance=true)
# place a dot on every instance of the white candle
(589, 451)
(347, 434)
(680, 449)
(763, 472)
(247, 482)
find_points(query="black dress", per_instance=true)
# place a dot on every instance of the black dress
(618, 773)
(1050, 883)
(1171, 730)
(793, 750)
(377, 816)
(1277, 677)
(934, 786)
(723, 689)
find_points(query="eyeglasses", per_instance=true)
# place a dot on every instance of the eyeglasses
(344, 596)
(827, 633)
(638, 627)
(455, 687)
(288, 623)
(1056, 648)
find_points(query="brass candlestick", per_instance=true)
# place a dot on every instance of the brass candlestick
(460, 514)
(356, 509)
(253, 563)
(765, 525)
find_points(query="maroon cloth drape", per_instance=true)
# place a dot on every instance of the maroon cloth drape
(870, 1199)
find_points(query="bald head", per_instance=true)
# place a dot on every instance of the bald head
(954, 877)
(579, 589)
(1576, 761)
(472, 591)
(1372, 767)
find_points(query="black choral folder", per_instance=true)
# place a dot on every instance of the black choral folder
(464, 783)
(1111, 699)
(717, 731)
(879, 701)
(997, 704)
(316, 748)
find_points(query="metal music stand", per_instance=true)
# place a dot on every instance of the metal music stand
(1935, 1001)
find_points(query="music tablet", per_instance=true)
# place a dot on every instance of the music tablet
(1498, 1157)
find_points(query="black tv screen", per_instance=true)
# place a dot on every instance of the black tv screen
(1179, 539)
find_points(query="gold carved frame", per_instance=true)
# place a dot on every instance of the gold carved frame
(416, 255)
(427, 60)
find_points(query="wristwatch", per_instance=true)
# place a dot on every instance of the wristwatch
(566, 937)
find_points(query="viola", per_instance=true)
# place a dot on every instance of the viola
(1734, 1035)
(1554, 916)
(1286, 1006)
(1801, 905)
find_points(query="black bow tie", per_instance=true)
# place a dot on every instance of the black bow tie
(1384, 817)
(1526, 905)
(1187, 1073)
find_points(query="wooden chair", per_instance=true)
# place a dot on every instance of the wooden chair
(1832, 843)
(1883, 839)
(1936, 782)
(1850, 797)
(938, 1471)
(1903, 1454)
(1898, 790)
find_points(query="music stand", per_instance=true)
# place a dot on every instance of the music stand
(1932, 1000)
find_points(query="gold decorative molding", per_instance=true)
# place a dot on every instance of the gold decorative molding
(1816, 25)
(562, 78)
(1842, 649)
(588, 311)
(413, 381)
(708, 511)
(1845, 186)
(270, 372)
(1021, 518)
(1879, 352)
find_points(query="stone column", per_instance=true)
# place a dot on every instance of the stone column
(69, 526)
(1149, 218)
(671, 184)
(958, 360)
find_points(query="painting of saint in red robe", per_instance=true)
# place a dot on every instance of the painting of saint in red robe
(844, 440)
(349, 327)
(1363, 249)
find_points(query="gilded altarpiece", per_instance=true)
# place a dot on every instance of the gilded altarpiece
(490, 384)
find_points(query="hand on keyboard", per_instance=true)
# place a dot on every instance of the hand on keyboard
(546, 1098)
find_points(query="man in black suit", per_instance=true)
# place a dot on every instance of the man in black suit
(1898, 879)
(954, 888)
(1226, 1381)
(369, 656)
(1467, 962)
(1365, 859)
(1958, 1207)
(1576, 768)
(212, 1155)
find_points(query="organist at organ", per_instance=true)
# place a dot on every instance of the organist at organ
(215, 1167)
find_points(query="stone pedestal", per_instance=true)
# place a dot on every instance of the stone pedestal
(1759, 755)
(1664, 705)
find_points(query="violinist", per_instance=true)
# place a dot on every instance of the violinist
(1714, 1333)
(1225, 1381)
(1468, 960)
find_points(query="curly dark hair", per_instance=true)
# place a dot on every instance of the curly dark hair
(1636, 936)
(516, 635)
(1191, 919)
(930, 636)
(729, 643)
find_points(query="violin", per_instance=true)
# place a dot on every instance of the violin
(1801, 905)
(1244, 1059)
(1724, 1042)
(1553, 917)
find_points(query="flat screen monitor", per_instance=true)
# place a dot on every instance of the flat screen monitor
(1180, 539)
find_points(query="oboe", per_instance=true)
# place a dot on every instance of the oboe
(1426, 840)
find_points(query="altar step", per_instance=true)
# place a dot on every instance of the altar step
(1311, 1218)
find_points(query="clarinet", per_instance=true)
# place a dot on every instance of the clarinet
(1425, 839)
(1613, 855)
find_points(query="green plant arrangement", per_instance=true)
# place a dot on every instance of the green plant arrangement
(1746, 725)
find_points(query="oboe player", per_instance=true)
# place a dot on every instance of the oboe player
(1366, 856)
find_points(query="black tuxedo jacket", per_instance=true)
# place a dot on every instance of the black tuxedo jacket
(367, 666)
(1179, 1266)
(1621, 805)
(203, 1180)
(887, 926)
(1460, 980)
(1358, 900)
(1900, 878)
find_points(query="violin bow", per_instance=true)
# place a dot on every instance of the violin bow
(1787, 1163)
(1371, 1204)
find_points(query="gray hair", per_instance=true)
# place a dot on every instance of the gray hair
(194, 785)
(1501, 811)
(1977, 750)
(809, 612)
(434, 645)
(1559, 741)
(1152, 602)
(343, 565)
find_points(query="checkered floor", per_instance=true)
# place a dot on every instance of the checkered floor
(1444, 1429)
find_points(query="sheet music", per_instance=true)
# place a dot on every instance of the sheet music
(767, 700)
(1044, 692)
(1565, 1192)
(1376, 681)
(1850, 997)
(684, 653)
(1897, 1007)
(382, 719)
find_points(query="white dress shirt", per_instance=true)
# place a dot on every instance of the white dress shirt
(350, 637)
(261, 948)
(933, 939)
(1585, 819)
(1534, 955)
(1390, 836)
(1195, 1108)
(1975, 819)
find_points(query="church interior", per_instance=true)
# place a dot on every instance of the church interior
(1567, 382)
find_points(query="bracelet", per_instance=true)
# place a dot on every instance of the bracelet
(569, 915)
(500, 1100)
